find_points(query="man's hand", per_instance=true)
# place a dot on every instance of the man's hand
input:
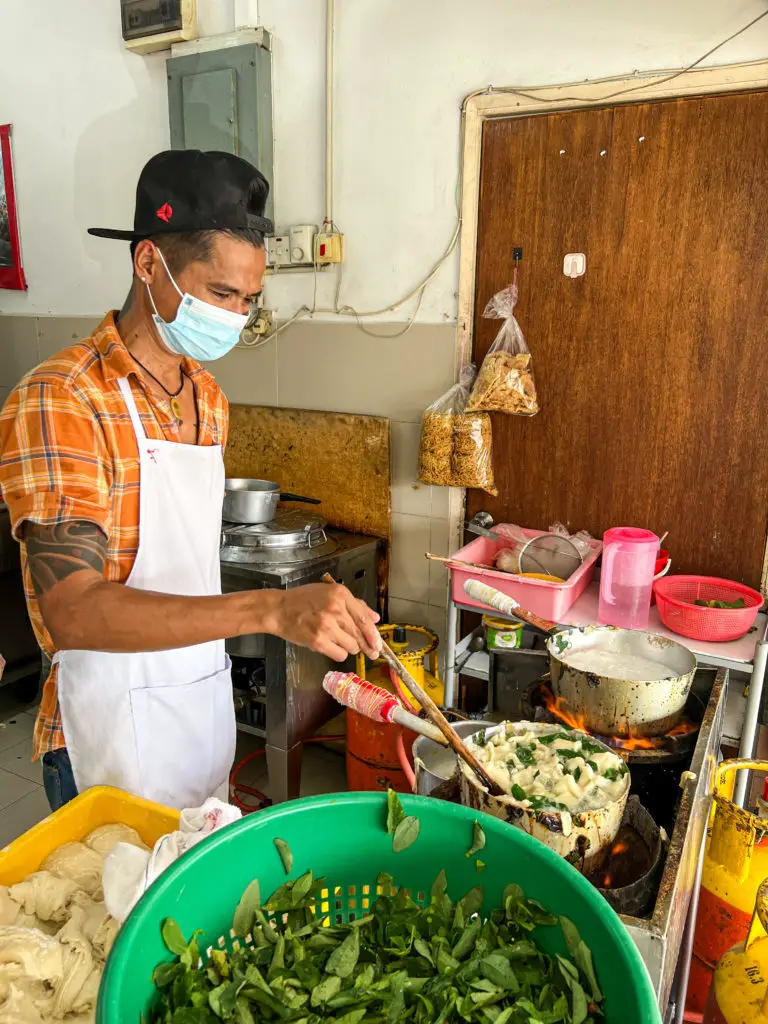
(329, 619)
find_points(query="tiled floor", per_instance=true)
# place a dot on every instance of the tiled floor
(22, 798)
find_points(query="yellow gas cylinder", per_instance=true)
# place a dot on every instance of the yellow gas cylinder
(735, 864)
(739, 992)
(372, 756)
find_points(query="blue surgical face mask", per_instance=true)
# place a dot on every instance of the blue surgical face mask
(199, 329)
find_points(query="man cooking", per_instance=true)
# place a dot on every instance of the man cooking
(111, 465)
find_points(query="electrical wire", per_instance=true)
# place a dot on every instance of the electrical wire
(526, 92)
(533, 92)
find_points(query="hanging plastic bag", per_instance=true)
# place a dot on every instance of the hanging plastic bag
(505, 382)
(455, 447)
(582, 540)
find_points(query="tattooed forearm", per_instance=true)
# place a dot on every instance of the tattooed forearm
(55, 552)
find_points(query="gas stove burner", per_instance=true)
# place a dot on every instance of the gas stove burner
(670, 748)
(290, 537)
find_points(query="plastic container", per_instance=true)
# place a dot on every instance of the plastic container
(543, 597)
(676, 598)
(343, 838)
(101, 805)
(502, 635)
(626, 579)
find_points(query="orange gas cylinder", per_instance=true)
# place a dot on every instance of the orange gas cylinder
(739, 992)
(735, 863)
(372, 758)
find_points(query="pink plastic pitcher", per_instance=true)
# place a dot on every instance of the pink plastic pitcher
(626, 583)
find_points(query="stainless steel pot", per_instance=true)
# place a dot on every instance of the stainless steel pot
(584, 839)
(433, 763)
(255, 501)
(614, 706)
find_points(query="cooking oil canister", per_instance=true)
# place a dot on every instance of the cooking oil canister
(739, 992)
(735, 864)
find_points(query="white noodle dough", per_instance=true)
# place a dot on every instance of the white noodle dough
(104, 839)
(76, 862)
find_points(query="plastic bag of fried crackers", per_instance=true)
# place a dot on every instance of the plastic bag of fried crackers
(455, 448)
(505, 382)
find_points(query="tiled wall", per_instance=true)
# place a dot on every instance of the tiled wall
(328, 367)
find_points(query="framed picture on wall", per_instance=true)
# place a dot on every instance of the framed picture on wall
(11, 273)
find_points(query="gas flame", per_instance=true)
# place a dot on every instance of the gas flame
(558, 707)
(616, 851)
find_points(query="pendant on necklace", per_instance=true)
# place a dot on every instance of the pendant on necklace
(176, 410)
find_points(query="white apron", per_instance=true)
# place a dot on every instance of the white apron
(160, 725)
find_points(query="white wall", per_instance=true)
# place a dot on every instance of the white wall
(87, 114)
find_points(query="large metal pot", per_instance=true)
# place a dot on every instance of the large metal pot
(584, 839)
(622, 703)
(434, 763)
(255, 501)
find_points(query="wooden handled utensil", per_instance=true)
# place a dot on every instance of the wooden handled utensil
(459, 563)
(508, 606)
(435, 715)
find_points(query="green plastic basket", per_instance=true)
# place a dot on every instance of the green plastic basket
(344, 839)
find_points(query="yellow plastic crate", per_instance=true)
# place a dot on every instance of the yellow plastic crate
(101, 805)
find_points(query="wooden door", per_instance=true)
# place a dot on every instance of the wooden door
(652, 368)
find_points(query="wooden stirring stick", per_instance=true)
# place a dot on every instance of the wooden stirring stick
(435, 715)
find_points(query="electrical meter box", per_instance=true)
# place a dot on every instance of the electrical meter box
(222, 100)
(151, 25)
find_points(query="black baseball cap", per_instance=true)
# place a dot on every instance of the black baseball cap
(185, 190)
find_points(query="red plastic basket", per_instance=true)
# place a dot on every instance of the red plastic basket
(676, 597)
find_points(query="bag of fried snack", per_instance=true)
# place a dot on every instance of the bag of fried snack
(505, 382)
(455, 446)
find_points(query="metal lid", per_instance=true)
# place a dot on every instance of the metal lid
(291, 530)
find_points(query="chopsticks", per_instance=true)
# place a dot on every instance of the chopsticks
(434, 714)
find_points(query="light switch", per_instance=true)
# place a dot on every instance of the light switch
(574, 264)
(302, 238)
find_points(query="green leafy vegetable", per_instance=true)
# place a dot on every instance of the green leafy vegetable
(406, 833)
(738, 603)
(173, 937)
(285, 854)
(440, 963)
(550, 737)
(526, 754)
(245, 914)
(612, 774)
(395, 812)
(478, 840)
(518, 792)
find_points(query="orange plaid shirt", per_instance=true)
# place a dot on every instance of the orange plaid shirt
(68, 451)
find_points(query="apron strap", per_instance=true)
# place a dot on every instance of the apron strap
(138, 426)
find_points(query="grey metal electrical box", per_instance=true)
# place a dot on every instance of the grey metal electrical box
(222, 99)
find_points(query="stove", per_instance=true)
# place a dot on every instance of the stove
(672, 780)
(277, 685)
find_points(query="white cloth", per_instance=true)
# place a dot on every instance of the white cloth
(129, 871)
(160, 724)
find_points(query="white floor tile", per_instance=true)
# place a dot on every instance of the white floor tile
(13, 788)
(22, 815)
(18, 760)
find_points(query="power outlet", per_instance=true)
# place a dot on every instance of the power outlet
(301, 239)
(278, 250)
(329, 248)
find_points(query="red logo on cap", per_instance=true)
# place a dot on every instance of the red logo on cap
(165, 212)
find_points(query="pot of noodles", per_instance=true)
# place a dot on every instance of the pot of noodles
(562, 787)
(621, 682)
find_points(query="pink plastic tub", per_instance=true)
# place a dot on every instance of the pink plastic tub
(549, 600)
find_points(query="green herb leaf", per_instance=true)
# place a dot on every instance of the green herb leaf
(613, 774)
(173, 937)
(406, 833)
(497, 969)
(326, 990)
(478, 840)
(343, 959)
(581, 955)
(245, 914)
(285, 855)
(518, 792)
(395, 812)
